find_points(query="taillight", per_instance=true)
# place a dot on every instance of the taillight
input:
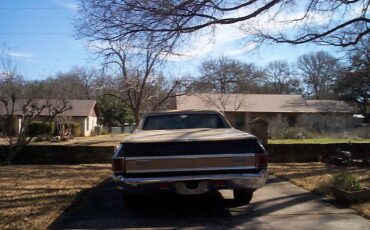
(261, 161)
(118, 164)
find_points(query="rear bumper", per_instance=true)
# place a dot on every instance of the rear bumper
(251, 181)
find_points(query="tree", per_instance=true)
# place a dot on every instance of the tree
(333, 22)
(14, 110)
(359, 56)
(134, 58)
(354, 84)
(138, 83)
(280, 79)
(223, 101)
(112, 111)
(78, 83)
(318, 71)
(324, 22)
(225, 75)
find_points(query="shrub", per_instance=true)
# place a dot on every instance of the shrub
(42, 138)
(284, 132)
(74, 127)
(41, 128)
(346, 181)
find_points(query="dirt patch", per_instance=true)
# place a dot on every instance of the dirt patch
(32, 196)
(317, 177)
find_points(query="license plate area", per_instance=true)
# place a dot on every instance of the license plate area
(191, 187)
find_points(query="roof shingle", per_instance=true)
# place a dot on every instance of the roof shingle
(79, 108)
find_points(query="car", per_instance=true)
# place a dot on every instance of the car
(190, 152)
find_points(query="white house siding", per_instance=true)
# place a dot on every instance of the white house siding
(90, 123)
(87, 125)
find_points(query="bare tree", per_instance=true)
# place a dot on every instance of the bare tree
(359, 55)
(318, 71)
(138, 86)
(19, 114)
(354, 83)
(8, 70)
(280, 77)
(225, 75)
(324, 22)
(223, 102)
(333, 22)
(355, 86)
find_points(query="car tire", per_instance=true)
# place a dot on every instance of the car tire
(242, 196)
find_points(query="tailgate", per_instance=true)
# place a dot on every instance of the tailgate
(183, 163)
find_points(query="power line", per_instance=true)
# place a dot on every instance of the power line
(35, 33)
(38, 8)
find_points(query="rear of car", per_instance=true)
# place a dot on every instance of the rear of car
(191, 160)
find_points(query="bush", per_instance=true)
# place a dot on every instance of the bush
(42, 138)
(284, 132)
(41, 128)
(360, 132)
(346, 181)
(74, 128)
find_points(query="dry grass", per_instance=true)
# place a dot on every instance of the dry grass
(101, 140)
(32, 196)
(317, 141)
(317, 177)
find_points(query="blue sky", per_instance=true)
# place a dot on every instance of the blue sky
(41, 39)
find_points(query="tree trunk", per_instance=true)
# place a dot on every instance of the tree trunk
(136, 114)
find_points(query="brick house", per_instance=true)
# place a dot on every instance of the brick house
(279, 110)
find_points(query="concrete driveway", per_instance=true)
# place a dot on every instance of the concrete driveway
(279, 205)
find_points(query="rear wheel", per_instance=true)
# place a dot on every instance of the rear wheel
(242, 196)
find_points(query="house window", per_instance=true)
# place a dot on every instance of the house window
(240, 121)
(87, 124)
(292, 120)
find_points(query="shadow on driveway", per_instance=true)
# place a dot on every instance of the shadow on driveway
(105, 207)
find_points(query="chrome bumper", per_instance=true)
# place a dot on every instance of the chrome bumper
(247, 180)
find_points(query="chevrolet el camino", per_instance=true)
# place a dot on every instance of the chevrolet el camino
(190, 152)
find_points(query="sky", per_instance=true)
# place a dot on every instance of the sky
(39, 38)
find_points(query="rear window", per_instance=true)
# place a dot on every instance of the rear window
(184, 121)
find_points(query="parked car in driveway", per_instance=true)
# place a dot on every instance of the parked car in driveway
(190, 152)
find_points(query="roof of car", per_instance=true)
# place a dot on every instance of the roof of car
(179, 111)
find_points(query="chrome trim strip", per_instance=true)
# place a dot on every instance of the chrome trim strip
(257, 178)
(187, 169)
(191, 156)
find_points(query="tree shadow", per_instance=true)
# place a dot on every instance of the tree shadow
(106, 207)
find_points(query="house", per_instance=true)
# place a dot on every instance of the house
(84, 112)
(278, 109)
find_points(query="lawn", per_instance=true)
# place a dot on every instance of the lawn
(32, 196)
(317, 177)
(317, 141)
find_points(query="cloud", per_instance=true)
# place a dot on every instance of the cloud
(19, 54)
(67, 4)
(235, 40)
(223, 37)
(240, 51)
